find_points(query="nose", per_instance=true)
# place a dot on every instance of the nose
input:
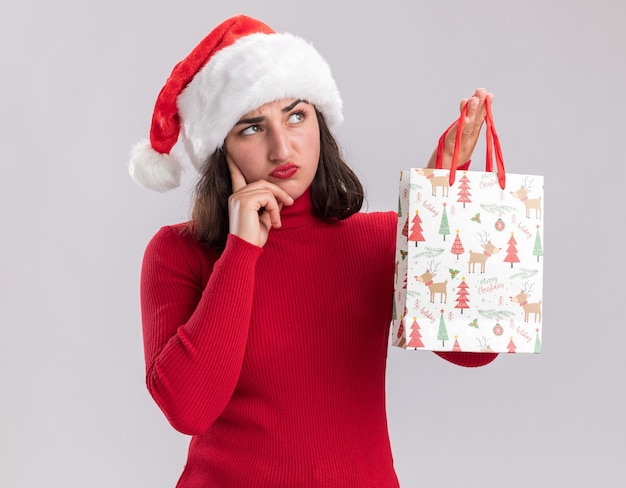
(279, 147)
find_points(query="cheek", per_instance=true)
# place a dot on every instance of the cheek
(315, 151)
(245, 161)
(250, 172)
(311, 146)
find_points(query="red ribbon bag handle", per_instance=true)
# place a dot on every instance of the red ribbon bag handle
(493, 146)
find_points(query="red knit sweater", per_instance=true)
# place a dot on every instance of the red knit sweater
(274, 358)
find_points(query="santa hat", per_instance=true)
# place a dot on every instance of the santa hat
(241, 65)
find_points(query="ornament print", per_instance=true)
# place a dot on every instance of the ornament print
(469, 262)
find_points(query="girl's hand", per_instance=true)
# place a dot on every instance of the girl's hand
(254, 208)
(471, 130)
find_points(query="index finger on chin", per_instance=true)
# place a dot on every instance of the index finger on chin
(236, 176)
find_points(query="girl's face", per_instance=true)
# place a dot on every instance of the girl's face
(278, 142)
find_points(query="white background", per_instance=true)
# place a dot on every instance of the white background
(78, 83)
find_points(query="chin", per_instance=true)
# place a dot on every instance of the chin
(295, 189)
(296, 193)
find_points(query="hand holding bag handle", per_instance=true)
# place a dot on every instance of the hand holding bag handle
(493, 145)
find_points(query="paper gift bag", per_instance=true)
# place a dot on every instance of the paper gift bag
(469, 258)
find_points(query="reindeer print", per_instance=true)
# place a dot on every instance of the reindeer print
(481, 257)
(529, 203)
(442, 182)
(483, 344)
(529, 308)
(434, 288)
(489, 297)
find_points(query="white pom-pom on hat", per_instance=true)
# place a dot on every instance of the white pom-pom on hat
(154, 170)
(241, 65)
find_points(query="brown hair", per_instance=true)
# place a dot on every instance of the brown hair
(336, 192)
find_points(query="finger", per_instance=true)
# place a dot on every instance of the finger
(236, 176)
(480, 93)
(264, 199)
(478, 97)
(271, 213)
(279, 194)
(476, 110)
(263, 203)
(481, 112)
(473, 117)
(266, 222)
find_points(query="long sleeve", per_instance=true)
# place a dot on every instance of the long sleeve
(194, 336)
(468, 359)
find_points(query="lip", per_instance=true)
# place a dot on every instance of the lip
(284, 171)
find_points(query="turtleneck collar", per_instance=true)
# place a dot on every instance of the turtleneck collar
(298, 214)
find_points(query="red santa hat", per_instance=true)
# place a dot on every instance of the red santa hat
(241, 65)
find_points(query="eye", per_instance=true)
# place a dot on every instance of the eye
(250, 130)
(296, 117)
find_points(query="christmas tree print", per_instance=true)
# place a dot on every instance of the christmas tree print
(444, 228)
(442, 333)
(484, 307)
(511, 347)
(405, 194)
(416, 229)
(464, 190)
(511, 251)
(537, 343)
(462, 294)
(538, 249)
(405, 229)
(457, 246)
(400, 340)
(416, 337)
(400, 329)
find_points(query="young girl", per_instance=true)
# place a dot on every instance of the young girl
(266, 317)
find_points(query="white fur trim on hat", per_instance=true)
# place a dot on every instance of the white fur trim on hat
(239, 66)
(254, 70)
(154, 170)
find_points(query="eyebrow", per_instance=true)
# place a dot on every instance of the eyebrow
(256, 120)
(288, 108)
